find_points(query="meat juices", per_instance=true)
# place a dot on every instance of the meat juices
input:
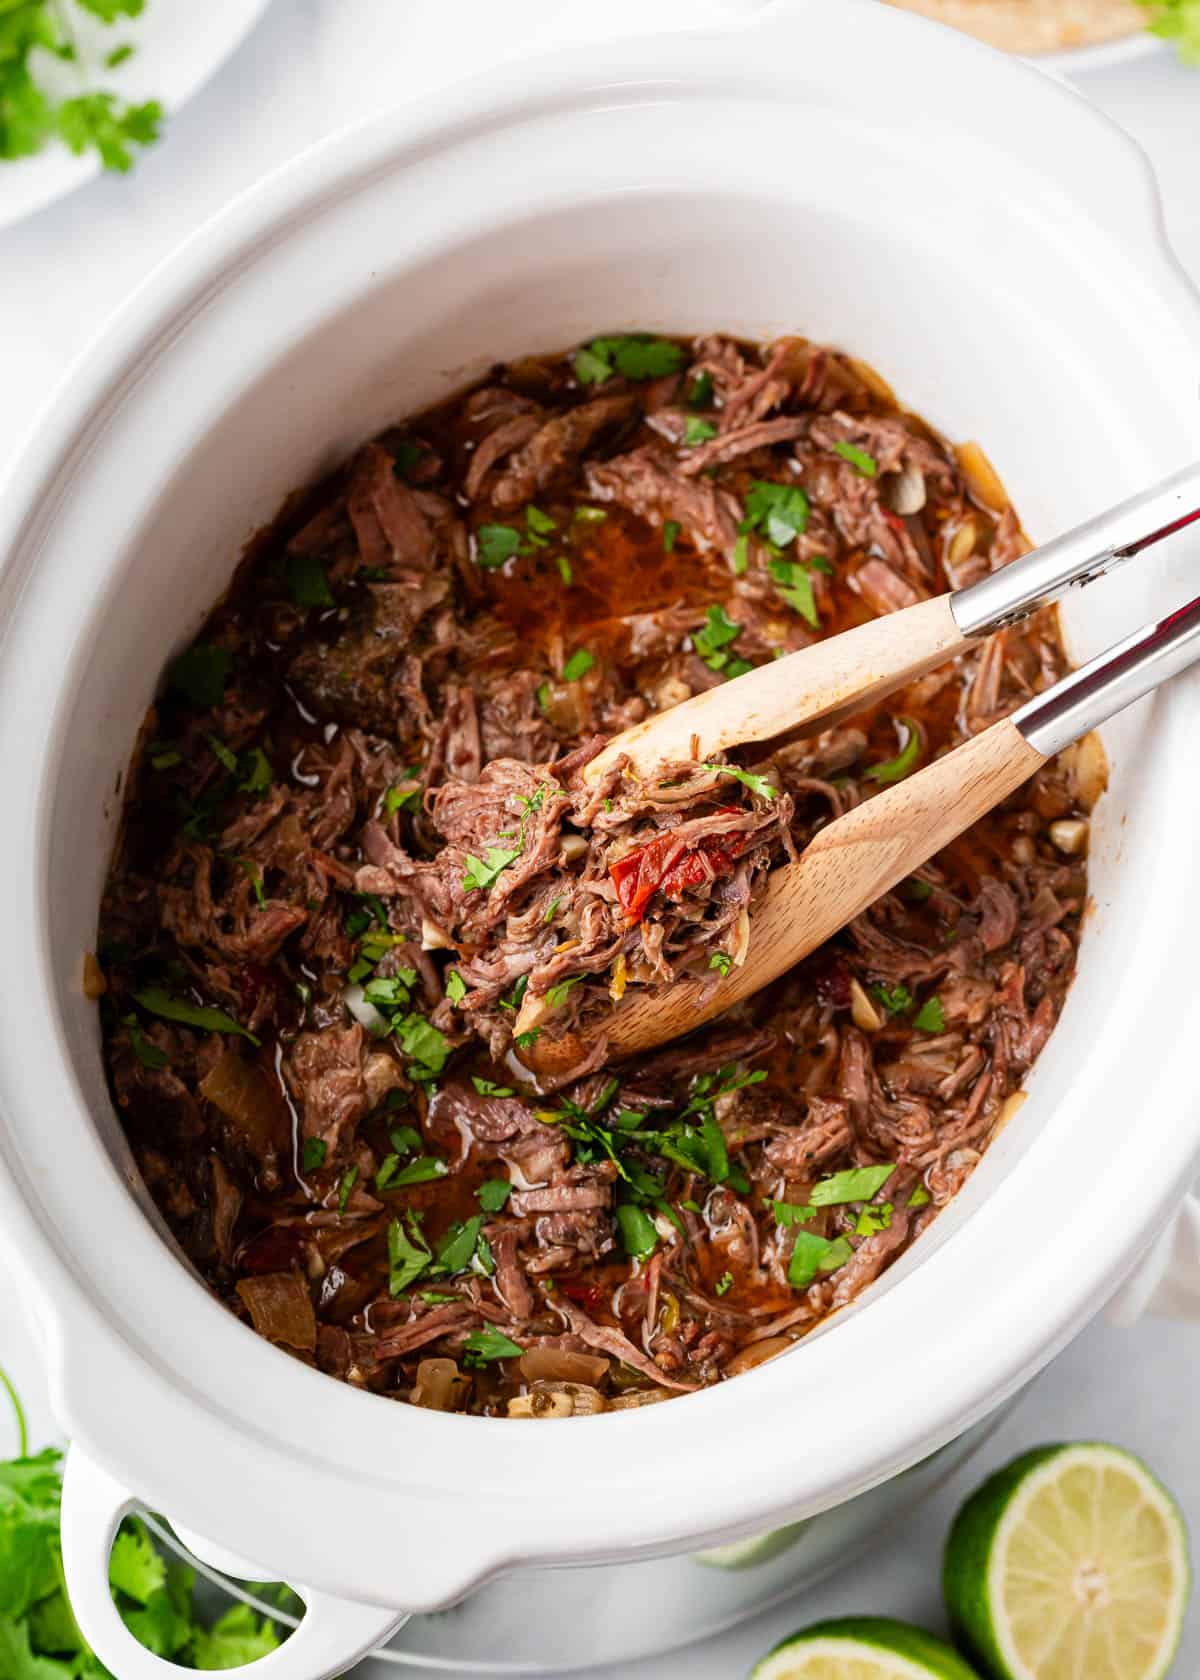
(356, 840)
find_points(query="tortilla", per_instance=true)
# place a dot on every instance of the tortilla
(1035, 26)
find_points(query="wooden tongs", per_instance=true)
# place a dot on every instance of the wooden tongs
(864, 854)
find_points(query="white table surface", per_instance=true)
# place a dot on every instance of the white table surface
(311, 67)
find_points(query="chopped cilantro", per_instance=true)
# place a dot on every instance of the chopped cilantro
(257, 774)
(493, 1193)
(701, 393)
(542, 695)
(424, 1170)
(456, 987)
(156, 1000)
(404, 793)
(905, 761)
(639, 1235)
(223, 755)
(494, 544)
(858, 458)
(422, 1041)
(457, 1248)
(856, 1184)
(794, 584)
(200, 674)
(931, 1017)
(552, 911)
(812, 1254)
(920, 890)
(487, 1088)
(793, 1213)
(757, 784)
(514, 998)
(565, 571)
(873, 1217)
(249, 869)
(539, 522)
(697, 431)
(408, 1255)
(895, 999)
(741, 555)
(312, 1156)
(777, 511)
(579, 664)
(712, 642)
(307, 584)
(348, 1180)
(589, 515)
(483, 873)
(526, 1040)
(721, 961)
(723, 1284)
(556, 996)
(484, 1345)
(163, 757)
(145, 1049)
(671, 530)
(403, 1139)
(633, 355)
(920, 1197)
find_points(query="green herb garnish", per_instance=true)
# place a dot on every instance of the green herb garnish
(670, 534)
(307, 584)
(721, 961)
(712, 643)
(312, 1154)
(200, 674)
(494, 544)
(697, 431)
(779, 511)
(895, 999)
(920, 1197)
(157, 1001)
(564, 569)
(930, 1017)
(723, 1284)
(484, 1345)
(638, 1232)
(493, 1193)
(858, 458)
(794, 585)
(556, 996)
(905, 761)
(579, 664)
(346, 1184)
(424, 1170)
(488, 1088)
(456, 987)
(408, 1255)
(482, 873)
(757, 784)
(812, 1254)
(633, 356)
(856, 1184)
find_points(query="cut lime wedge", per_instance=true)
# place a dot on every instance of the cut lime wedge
(862, 1648)
(1072, 1561)
(744, 1554)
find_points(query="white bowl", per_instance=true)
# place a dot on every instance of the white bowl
(993, 246)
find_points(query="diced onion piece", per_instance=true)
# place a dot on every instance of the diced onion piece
(245, 1095)
(962, 543)
(281, 1309)
(982, 476)
(757, 1354)
(1087, 769)
(905, 490)
(433, 937)
(550, 1364)
(620, 975)
(741, 938)
(94, 983)
(1070, 835)
(1023, 849)
(554, 1399)
(363, 1012)
(438, 1384)
(573, 847)
(862, 1011)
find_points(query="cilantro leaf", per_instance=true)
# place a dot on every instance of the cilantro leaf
(348, 1180)
(856, 1184)
(408, 1255)
(257, 774)
(312, 1156)
(145, 1049)
(237, 1638)
(494, 544)
(712, 642)
(723, 1284)
(579, 664)
(457, 1248)
(793, 1213)
(671, 530)
(482, 873)
(456, 987)
(778, 511)
(794, 583)
(905, 761)
(721, 961)
(858, 458)
(493, 1193)
(489, 1088)
(421, 1040)
(156, 1000)
(812, 1254)
(108, 125)
(920, 1197)
(306, 581)
(634, 356)
(556, 996)
(697, 431)
(200, 674)
(424, 1170)
(484, 1345)
(757, 784)
(639, 1234)
(895, 999)
(134, 1567)
(930, 1017)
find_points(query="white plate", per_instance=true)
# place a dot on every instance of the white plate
(1079, 61)
(179, 45)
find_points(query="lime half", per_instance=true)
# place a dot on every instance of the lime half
(862, 1648)
(1072, 1561)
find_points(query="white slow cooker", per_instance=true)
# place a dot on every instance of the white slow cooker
(993, 246)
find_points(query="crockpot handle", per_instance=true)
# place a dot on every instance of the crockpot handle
(1167, 1283)
(335, 1632)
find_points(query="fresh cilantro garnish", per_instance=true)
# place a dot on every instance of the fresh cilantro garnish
(515, 997)
(307, 584)
(457, 1248)
(456, 987)
(701, 393)
(223, 755)
(404, 793)
(250, 870)
(526, 1040)
(895, 999)
(633, 355)
(778, 511)
(164, 757)
(723, 1284)
(920, 1197)
(487, 1088)
(345, 1185)
(556, 995)
(671, 530)
(795, 586)
(757, 784)
(493, 1193)
(426, 1168)
(905, 761)
(712, 643)
(589, 515)
(257, 774)
(156, 1000)
(638, 1232)
(403, 1139)
(792, 1213)
(539, 522)
(697, 431)
(741, 555)
(721, 961)
(146, 1051)
(873, 1217)
(312, 1156)
(858, 458)
(579, 664)
(421, 1041)
(856, 1184)
(812, 1254)
(484, 1345)
(930, 1017)
(564, 569)
(920, 890)
(483, 873)
(408, 1255)
(552, 910)
(494, 544)
(200, 674)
